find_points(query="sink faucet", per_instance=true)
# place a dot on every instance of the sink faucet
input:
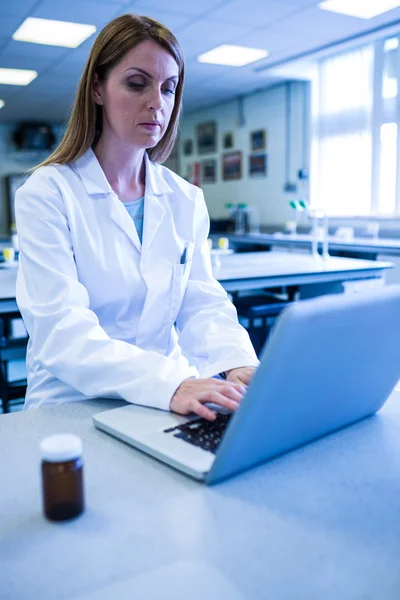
(316, 215)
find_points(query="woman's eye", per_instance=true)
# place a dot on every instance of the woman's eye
(140, 86)
(136, 86)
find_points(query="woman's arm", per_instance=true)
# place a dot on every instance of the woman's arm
(208, 328)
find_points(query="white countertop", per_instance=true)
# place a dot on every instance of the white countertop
(322, 522)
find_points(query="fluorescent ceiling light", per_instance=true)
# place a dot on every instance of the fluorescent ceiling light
(17, 76)
(364, 9)
(232, 56)
(2, 103)
(53, 33)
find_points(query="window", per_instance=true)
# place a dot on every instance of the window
(388, 167)
(356, 109)
(342, 144)
(389, 83)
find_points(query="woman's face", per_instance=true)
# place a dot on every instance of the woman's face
(138, 95)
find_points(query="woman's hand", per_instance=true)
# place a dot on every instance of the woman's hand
(192, 394)
(241, 375)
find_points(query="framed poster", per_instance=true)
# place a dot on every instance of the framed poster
(207, 137)
(257, 165)
(209, 171)
(258, 140)
(193, 173)
(231, 166)
(188, 147)
(228, 140)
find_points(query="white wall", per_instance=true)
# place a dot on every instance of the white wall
(13, 161)
(263, 109)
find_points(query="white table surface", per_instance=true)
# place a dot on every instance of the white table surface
(251, 270)
(322, 522)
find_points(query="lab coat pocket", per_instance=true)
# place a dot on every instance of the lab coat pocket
(180, 276)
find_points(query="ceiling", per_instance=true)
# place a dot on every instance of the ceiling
(287, 28)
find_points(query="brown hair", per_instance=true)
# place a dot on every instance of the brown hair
(113, 42)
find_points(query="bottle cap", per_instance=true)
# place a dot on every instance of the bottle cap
(242, 205)
(61, 447)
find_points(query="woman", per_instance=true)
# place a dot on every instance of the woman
(114, 310)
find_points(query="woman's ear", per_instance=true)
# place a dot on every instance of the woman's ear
(96, 93)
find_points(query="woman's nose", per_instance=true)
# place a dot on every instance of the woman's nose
(155, 101)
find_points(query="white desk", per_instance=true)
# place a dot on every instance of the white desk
(252, 270)
(256, 270)
(320, 523)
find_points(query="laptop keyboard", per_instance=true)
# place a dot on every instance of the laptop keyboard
(205, 434)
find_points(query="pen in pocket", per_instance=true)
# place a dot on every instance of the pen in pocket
(183, 257)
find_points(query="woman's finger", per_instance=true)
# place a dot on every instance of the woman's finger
(203, 411)
(233, 392)
(217, 398)
(239, 387)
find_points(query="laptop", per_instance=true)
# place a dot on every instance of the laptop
(329, 362)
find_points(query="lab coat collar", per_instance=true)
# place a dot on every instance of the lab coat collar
(92, 174)
(155, 182)
(95, 181)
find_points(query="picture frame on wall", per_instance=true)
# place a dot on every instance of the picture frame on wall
(188, 147)
(228, 140)
(258, 140)
(209, 169)
(258, 165)
(232, 166)
(206, 137)
(193, 173)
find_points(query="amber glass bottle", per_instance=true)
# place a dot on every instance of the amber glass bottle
(62, 476)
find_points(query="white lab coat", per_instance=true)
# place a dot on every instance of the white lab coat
(106, 316)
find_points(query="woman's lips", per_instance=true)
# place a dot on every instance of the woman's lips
(150, 126)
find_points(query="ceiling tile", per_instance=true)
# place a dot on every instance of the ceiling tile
(8, 25)
(304, 3)
(258, 13)
(172, 20)
(8, 91)
(114, 2)
(44, 54)
(267, 39)
(17, 8)
(314, 21)
(68, 68)
(196, 71)
(182, 6)
(87, 12)
(205, 34)
(52, 82)
(22, 62)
